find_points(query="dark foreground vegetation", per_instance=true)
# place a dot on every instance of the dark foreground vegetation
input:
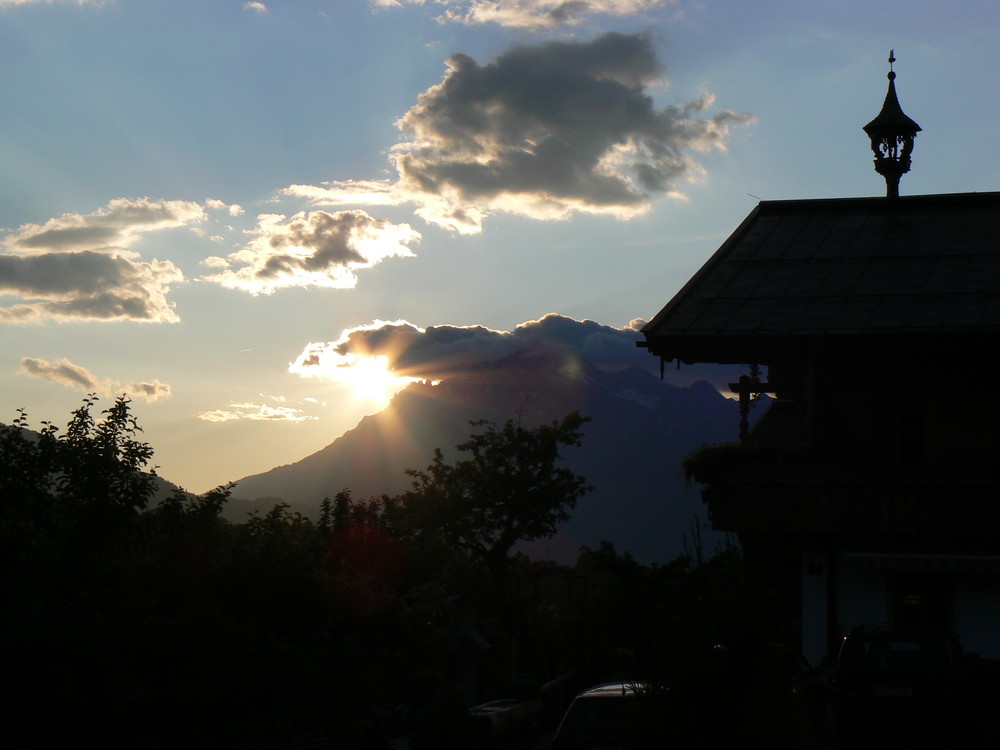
(134, 624)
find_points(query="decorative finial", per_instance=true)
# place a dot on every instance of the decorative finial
(891, 135)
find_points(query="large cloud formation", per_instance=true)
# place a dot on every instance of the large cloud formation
(438, 352)
(542, 131)
(408, 352)
(64, 372)
(81, 267)
(531, 14)
(311, 249)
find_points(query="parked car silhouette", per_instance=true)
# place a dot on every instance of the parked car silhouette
(604, 716)
(889, 676)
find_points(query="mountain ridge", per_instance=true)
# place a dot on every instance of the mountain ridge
(640, 430)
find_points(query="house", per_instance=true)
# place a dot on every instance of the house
(870, 489)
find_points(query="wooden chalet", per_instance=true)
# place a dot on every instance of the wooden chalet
(870, 489)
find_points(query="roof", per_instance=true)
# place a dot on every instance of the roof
(891, 119)
(914, 269)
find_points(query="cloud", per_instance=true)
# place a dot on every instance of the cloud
(149, 391)
(255, 413)
(408, 353)
(64, 372)
(532, 14)
(87, 286)
(371, 375)
(542, 131)
(258, 7)
(438, 352)
(234, 209)
(114, 228)
(82, 267)
(311, 249)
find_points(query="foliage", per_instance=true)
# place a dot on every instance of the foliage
(708, 462)
(725, 683)
(82, 487)
(169, 626)
(96, 462)
(511, 488)
(160, 626)
(103, 463)
(697, 637)
(711, 462)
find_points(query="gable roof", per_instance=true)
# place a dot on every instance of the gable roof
(916, 268)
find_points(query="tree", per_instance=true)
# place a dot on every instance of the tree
(511, 488)
(140, 622)
(71, 493)
(96, 463)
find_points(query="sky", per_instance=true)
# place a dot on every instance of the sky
(261, 219)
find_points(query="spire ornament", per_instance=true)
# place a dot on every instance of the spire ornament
(892, 134)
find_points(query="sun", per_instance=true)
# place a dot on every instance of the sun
(369, 378)
(367, 370)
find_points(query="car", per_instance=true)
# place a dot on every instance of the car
(605, 716)
(892, 677)
(807, 683)
(507, 718)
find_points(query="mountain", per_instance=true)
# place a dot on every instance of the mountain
(641, 429)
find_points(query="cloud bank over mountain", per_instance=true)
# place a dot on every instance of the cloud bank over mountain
(437, 352)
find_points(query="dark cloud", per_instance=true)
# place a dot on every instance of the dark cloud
(543, 131)
(327, 235)
(117, 225)
(440, 351)
(312, 249)
(65, 373)
(69, 237)
(80, 266)
(149, 390)
(71, 375)
(86, 285)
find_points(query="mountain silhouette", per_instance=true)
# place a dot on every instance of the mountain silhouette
(637, 421)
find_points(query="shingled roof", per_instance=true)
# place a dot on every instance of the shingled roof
(821, 272)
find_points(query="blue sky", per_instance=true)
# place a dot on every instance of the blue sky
(200, 200)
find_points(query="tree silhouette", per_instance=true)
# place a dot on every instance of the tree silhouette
(81, 487)
(169, 626)
(511, 488)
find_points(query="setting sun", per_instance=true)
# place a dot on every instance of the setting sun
(370, 378)
(369, 375)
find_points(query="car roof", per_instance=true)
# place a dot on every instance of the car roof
(610, 690)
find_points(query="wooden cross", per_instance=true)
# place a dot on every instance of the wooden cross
(748, 387)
